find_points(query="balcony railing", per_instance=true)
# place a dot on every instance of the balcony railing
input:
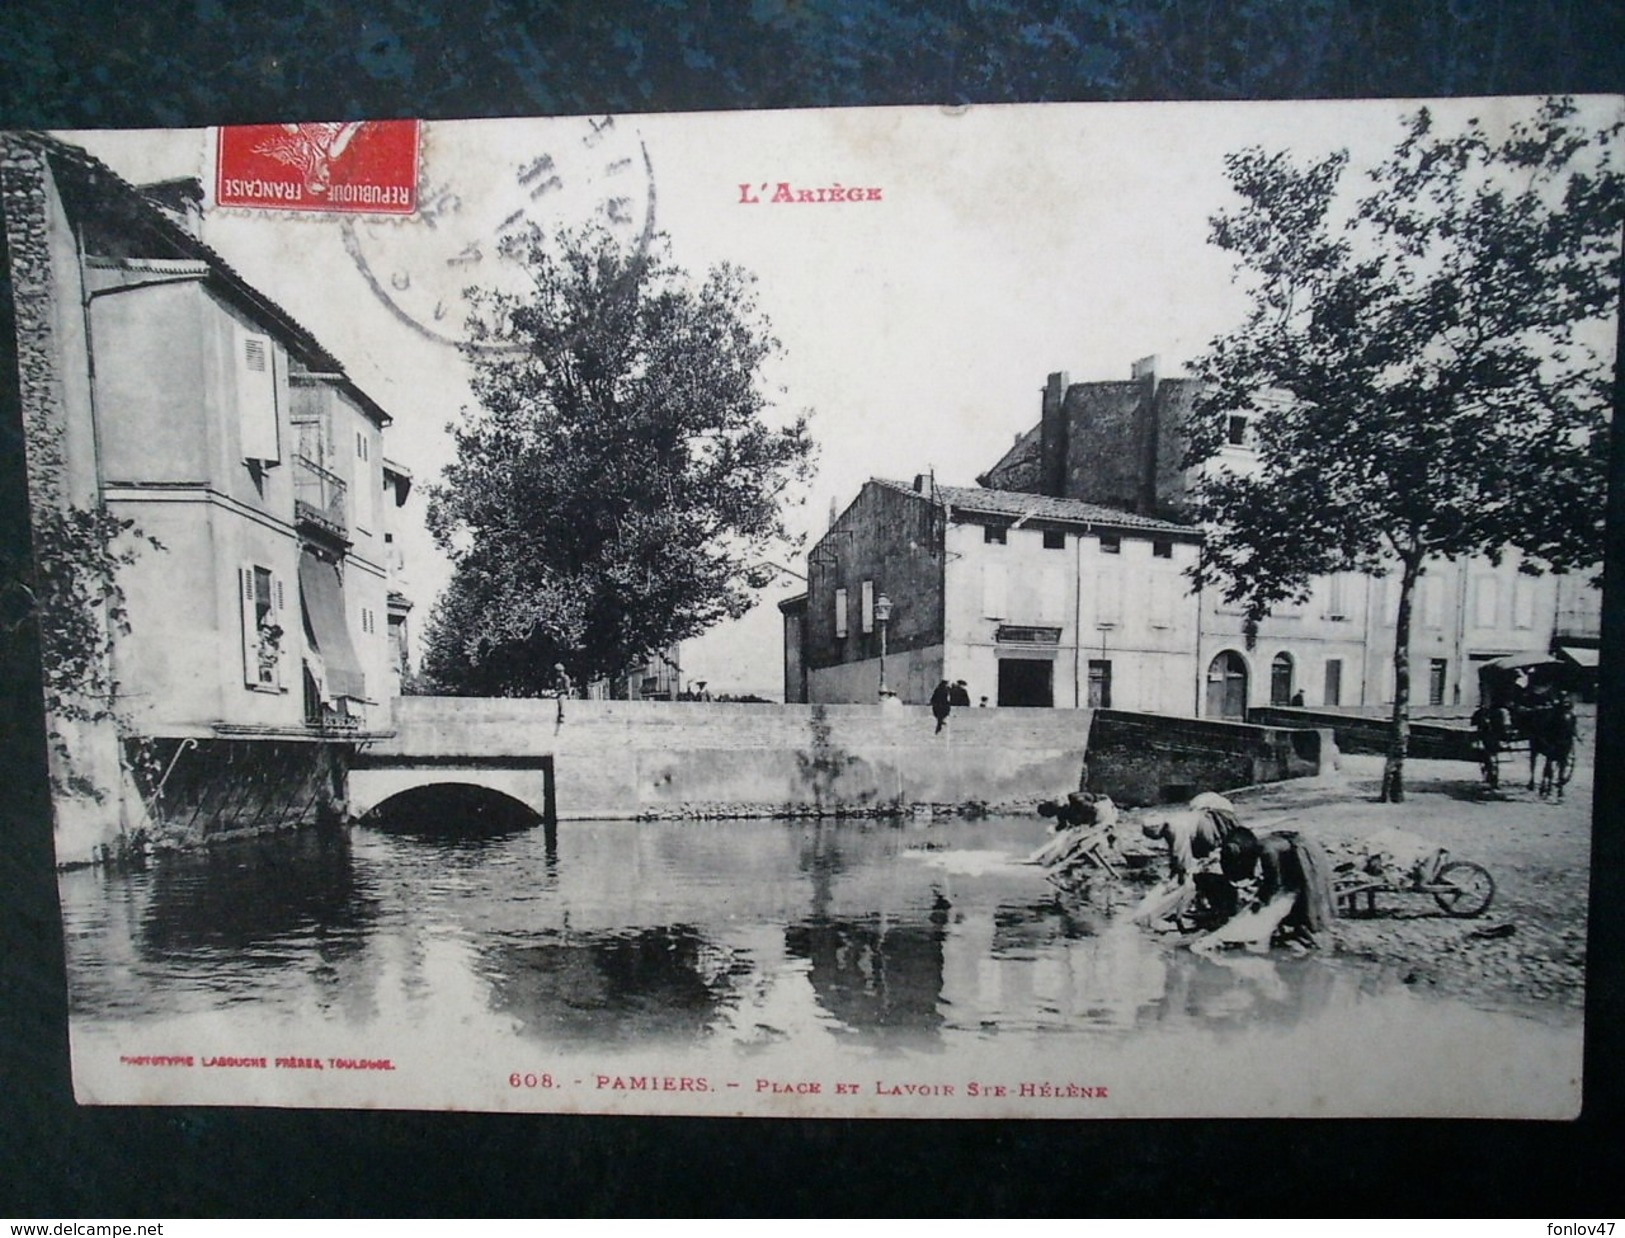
(318, 498)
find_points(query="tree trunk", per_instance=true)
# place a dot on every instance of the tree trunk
(1399, 738)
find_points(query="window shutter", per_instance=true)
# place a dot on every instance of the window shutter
(284, 669)
(1052, 596)
(256, 397)
(1337, 596)
(1108, 599)
(1523, 601)
(993, 591)
(866, 607)
(1162, 601)
(250, 631)
(840, 614)
(363, 482)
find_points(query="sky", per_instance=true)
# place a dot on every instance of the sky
(918, 326)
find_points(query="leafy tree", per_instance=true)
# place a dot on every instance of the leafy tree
(1423, 364)
(616, 487)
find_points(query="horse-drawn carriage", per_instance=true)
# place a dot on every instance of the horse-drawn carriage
(1526, 706)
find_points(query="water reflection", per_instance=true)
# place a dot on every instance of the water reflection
(879, 977)
(659, 983)
(912, 937)
(260, 900)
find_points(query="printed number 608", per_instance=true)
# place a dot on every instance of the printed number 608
(529, 1080)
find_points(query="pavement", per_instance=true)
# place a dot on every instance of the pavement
(1527, 952)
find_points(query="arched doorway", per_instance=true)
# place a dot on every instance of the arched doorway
(1281, 679)
(1227, 686)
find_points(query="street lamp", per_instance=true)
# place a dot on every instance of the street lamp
(882, 615)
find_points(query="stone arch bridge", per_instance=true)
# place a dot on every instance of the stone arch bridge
(625, 759)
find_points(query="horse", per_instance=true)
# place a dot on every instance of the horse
(1551, 731)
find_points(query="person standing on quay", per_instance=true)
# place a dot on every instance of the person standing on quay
(942, 705)
(562, 688)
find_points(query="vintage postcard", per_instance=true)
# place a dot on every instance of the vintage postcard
(1015, 612)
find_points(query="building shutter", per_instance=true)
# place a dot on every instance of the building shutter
(365, 482)
(256, 397)
(284, 669)
(1523, 601)
(993, 591)
(250, 628)
(840, 614)
(866, 606)
(1108, 599)
(1162, 601)
(1052, 596)
(1337, 596)
(1432, 601)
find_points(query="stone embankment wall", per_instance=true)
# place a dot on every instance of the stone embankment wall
(1438, 741)
(631, 758)
(1141, 759)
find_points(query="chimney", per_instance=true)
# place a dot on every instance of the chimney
(1052, 451)
(181, 199)
(919, 483)
(1145, 367)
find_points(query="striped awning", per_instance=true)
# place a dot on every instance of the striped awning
(321, 592)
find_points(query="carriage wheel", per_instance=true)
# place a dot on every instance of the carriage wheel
(1470, 888)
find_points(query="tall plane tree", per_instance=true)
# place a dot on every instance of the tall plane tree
(616, 485)
(1427, 364)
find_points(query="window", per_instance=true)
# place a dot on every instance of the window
(1054, 539)
(1100, 684)
(1052, 606)
(1438, 669)
(365, 484)
(264, 631)
(840, 614)
(1108, 600)
(994, 605)
(1485, 601)
(1334, 682)
(256, 398)
(866, 607)
(1162, 548)
(1162, 600)
(1432, 589)
(1523, 601)
(1111, 544)
(1337, 596)
(1236, 430)
(994, 534)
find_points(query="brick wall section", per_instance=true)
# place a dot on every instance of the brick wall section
(1143, 759)
(1431, 740)
(1108, 443)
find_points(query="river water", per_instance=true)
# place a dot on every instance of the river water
(768, 960)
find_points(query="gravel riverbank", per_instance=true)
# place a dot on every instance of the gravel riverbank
(1527, 952)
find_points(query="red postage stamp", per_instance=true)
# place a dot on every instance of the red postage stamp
(366, 167)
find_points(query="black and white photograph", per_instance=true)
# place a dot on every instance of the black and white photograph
(1024, 612)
